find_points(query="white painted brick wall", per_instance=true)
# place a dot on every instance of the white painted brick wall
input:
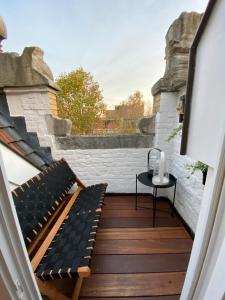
(117, 167)
(165, 122)
(31, 103)
(189, 190)
(189, 187)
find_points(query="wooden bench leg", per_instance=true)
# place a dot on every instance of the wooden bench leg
(83, 272)
(47, 289)
(77, 288)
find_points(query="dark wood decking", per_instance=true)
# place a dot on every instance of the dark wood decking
(131, 259)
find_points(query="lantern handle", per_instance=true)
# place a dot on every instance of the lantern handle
(149, 152)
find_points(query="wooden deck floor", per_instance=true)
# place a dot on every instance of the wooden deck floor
(131, 259)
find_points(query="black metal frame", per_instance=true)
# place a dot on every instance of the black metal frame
(155, 190)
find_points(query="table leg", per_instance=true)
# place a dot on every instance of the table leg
(154, 204)
(174, 195)
(136, 193)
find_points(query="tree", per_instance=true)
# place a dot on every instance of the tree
(80, 100)
(133, 108)
(129, 111)
(148, 109)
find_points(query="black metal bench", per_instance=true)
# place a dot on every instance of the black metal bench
(59, 228)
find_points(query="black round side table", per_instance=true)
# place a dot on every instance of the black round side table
(146, 179)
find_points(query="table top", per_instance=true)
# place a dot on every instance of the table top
(146, 179)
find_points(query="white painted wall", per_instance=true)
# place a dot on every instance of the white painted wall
(206, 142)
(31, 103)
(207, 120)
(117, 167)
(212, 280)
(189, 190)
(189, 187)
(210, 233)
(17, 280)
(18, 170)
(166, 121)
(215, 287)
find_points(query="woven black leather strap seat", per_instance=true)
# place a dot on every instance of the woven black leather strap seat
(59, 226)
(91, 198)
(71, 247)
(37, 199)
(73, 244)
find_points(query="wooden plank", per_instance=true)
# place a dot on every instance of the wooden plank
(142, 233)
(125, 264)
(132, 213)
(143, 246)
(116, 206)
(173, 297)
(125, 200)
(141, 205)
(138, 222)
(133, 285)
(132, 199)
(43, 248)
(146, 202)
(149, 229)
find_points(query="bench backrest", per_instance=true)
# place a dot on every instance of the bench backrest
(37, 199)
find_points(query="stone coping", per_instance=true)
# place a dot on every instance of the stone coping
(104, 142)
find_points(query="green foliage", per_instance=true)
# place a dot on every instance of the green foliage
(134, 106)
(175, 132)
(80, 100)
(198, 166)
(128, 112)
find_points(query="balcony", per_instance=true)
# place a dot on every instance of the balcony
(132, 259)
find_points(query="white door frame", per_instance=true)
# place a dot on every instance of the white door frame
(210, 218)
(16, 275)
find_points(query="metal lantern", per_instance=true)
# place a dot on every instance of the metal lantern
(157, 167)
(153, 156)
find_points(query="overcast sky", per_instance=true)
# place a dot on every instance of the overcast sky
(121, 42)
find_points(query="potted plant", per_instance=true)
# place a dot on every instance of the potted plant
(198, 166)
(191, 167)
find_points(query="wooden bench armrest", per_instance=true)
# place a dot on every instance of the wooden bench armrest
(80, 183)
(84, 272)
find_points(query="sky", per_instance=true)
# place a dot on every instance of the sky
(120, 42)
